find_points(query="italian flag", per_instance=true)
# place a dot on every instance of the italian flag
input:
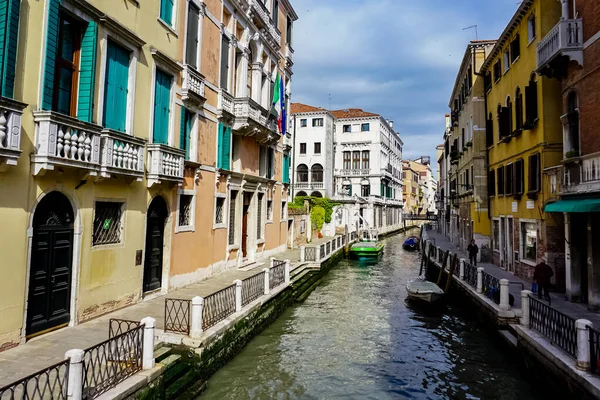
(279, 103)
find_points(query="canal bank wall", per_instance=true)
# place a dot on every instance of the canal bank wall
(184, 364)
(540, 357)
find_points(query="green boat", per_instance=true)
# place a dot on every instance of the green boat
(367, 247)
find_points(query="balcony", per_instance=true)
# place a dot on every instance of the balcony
(289, 56)
(192, 87)
(11, 113)
(582, 175)
(165, 163)
(309, 185)
(224, 103)
(251, 119)
(121, 155)
(62, 141)
(262, 18)
(355, 172)
(562, 44)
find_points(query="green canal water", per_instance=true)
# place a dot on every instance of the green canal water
(356, 337)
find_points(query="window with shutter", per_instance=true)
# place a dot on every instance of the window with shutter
(531, 105)
(500, 181)
(509, 179)
(505, 122)
(116, 82)
(534, 173)
(185, 131)
(224, 62)
(519, 177)
(509, 110)
(162, 107)
(87, 72)
(491, 183)
(192, 35)
(519, 110)
(166, 11)
(515, 48)
(489, 131)
(9, 32)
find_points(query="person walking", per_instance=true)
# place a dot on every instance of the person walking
(472, 249)
(541, 276)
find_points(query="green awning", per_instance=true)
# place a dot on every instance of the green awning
(574, 206)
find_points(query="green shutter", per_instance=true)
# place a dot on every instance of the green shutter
(286, 169)
(9, 35)
(116, 87)
(162, 100)
(51, 50)
(185, 131)
(226, 147)
(166, 11)
(87, 73)
(350, 190)
(220, 145)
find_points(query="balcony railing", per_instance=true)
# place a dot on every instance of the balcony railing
(355, 172)
(225, 102)
(309, 185)
(192, 87)
(64, 141)
(165, 163)
(566, 38)
(11, 113)
(269, 30)
(582, 175)
(251, 119)
(289, 55)
(121, 154)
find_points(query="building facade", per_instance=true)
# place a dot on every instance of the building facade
(313, 130)
(467, 174)
(523, 140)
(111, 147)
(574, 186)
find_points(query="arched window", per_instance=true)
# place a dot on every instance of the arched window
(519, 109)
(510, 119)
(317, 173)
(499, 116)
(249, 70)
(301, 194)
(316, 194)
(489, 130)
(302, 172)
(531, 103)
(573, 121)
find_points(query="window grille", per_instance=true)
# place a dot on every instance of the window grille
(232, 217)
(270, 210)
(219, 210)
(259, 217)
(185, 209)
(107, 223)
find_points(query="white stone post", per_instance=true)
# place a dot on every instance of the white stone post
(461, 269)
(480, 280)
(196, 317)
(271, 261)
(525, 307)
(287, 269)
(148, 349)
(267, 286)
(583, 344)
(504, 302)
(75, 385)
(238, 295)
(302, 255)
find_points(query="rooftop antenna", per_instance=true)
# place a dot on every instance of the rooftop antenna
(471, 27)
(329, 100)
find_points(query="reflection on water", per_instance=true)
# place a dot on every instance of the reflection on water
(357, 337)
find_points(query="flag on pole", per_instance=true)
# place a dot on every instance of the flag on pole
(279, 103)
(283, 118)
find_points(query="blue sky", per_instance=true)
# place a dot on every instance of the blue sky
(398, 58)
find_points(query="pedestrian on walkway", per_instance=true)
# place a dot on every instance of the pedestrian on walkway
(541, 275)
(473, 250)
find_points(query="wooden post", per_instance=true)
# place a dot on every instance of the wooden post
(444, 262)
(451, 273)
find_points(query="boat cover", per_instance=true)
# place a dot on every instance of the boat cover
(423, 287)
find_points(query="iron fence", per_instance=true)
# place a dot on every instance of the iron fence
(491, 287)
(553, 324)
(109, 363)
(177, 315)
(322, 251)
(218, 306)
(471, 275)
(328, 248)
(118, 326)
(310, 254)
(456, 271)
(339, 241)
(48, 383)
(277, 274)
(594, 350)
(344, 240)
(252, 288)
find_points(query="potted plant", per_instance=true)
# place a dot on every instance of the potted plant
(572, 154)
(470, 143)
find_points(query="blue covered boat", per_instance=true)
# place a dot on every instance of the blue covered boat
(411, 243)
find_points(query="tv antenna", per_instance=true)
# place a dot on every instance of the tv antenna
(329, 100)
(471, 27)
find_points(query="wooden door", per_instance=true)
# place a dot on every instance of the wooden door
(49, 298)
(155, 232)
(245, 230)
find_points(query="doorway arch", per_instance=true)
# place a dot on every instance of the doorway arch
(156, 219)
(51, 265)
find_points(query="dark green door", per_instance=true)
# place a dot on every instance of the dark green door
(155, 233)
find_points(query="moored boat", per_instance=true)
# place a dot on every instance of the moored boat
(424, 290)
(411, 243)
(368, 246)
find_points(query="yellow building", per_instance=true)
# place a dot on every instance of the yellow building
(524, 137)
(467, 143)
(412, 197)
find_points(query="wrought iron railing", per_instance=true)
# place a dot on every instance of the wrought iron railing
(322, 251)
(109, 363)
(594, 350)
(471, 275)
(177, 315)
(328, 248)
(218, 306)
(556, 326)
(48, 383)
(310, 254)
(491, 287)
(252, 288)
(277, 274)
(118, 326)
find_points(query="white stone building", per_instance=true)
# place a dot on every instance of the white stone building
(313, 136)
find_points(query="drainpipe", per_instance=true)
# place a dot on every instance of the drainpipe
(294, 161)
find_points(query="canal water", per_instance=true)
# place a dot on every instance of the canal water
(356, 337)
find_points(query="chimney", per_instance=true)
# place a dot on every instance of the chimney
(447, 120)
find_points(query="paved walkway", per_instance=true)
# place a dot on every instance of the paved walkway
(50, 348)
(558, 301)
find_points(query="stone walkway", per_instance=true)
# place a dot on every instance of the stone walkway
(558, 301)
(48, 349)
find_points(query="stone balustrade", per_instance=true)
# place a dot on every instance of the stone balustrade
(225, 102)
(565, 38)
(192, 87)
(121, 154)
(165, 163)
(11, 113)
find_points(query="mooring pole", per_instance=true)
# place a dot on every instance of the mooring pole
(444, 262)
(451, 273)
